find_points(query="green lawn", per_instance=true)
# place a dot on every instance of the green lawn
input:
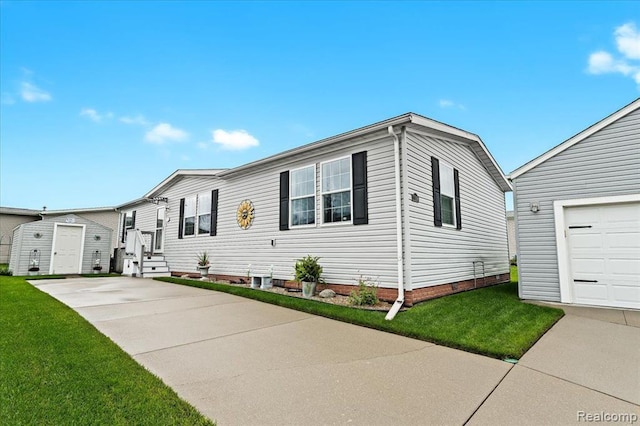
(56, 368)
(490, 321)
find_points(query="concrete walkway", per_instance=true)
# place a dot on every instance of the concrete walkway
(242, 362)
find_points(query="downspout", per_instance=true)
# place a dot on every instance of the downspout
(400, 300)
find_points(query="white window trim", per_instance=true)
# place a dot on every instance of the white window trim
(562, 250)
(195, 216)
(453, 196)
(315, 198)
(341, 223)
(197, 227)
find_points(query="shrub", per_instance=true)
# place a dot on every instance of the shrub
(308, 269)
(365, 295)
(4, 270)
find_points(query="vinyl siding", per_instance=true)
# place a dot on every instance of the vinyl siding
(25, 242)
(606, 163)
(346, 251)
(105, 218)
(441, 255)
(8, 222)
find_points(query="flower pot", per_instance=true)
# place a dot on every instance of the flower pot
(204, 271)
(308, 288)
(34, 271)
(255, 282)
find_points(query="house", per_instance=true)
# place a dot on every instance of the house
(411, 204)
(11, 217)
(68, 244)
(577, 211)
(511, 234)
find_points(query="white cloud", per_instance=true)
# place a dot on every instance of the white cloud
(628, 40)
(137, 120)
(93, 115)
(165, 132)
(203, 145)
(31, 93)
(446, 103)
(626, 63)
(234, 140)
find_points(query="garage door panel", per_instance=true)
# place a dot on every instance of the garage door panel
(604, 254)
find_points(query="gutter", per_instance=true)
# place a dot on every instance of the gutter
(400, 300)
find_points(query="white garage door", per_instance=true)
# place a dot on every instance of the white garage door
(604, 254)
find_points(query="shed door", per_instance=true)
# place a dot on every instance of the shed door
(604, 254)
(67, 246)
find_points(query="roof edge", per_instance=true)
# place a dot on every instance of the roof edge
(594, 128)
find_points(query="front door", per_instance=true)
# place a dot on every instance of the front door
(67, 250)
(158, 241)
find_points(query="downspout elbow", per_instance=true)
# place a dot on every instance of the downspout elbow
(400, 300)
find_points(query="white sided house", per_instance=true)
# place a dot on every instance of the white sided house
(577, 213)
(411, 204)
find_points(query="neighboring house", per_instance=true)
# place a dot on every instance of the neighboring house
(511, 234)
(67, 244)
(578, 216)
(408, 202)
(10, 218)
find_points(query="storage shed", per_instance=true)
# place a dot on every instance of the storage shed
(66, 244)
(578, 217)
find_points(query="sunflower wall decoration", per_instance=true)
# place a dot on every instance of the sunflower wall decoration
(245, 214)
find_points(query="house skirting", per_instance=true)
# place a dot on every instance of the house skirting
(387, 294)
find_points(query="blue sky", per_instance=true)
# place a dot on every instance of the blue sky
(103, 100)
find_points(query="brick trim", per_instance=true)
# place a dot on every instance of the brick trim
(384, 293)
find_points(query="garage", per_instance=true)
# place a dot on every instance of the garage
(603, 254)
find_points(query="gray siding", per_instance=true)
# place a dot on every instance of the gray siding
(346, 251)
(8, 222)
(441, 255)
(606, 163)
(25, 242)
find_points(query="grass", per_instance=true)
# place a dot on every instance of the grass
(56, 368)
(490, 321)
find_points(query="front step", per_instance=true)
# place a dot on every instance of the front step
(155, 266)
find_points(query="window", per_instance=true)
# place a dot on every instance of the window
(336, 191)
(447, 195)
(204, 213)
(190, 216)
(303, 196)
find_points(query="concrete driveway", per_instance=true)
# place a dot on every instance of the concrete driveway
(243, 362)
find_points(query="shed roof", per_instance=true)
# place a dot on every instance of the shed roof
(626, 110)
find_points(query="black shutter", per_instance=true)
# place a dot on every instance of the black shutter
(456, 185)
(124, 227)
(181, 220)
(435, 177)
(133, 220)
(214, 213)
(360, 203)
(284, 201)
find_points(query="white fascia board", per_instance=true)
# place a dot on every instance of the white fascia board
(179, 174)
(76, 211)
(382, 125)
(575, 139)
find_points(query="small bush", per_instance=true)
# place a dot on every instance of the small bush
(4, 270)
(365, 295)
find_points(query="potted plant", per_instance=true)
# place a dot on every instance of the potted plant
(308, 272)
(203, 264)
(97, 267)
(34, 269)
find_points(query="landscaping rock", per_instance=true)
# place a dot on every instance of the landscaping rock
(327, 293)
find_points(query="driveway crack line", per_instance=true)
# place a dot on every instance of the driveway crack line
(488, 395)
(220, 337)
(579, 384)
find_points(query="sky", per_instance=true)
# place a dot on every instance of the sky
(101, 101)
